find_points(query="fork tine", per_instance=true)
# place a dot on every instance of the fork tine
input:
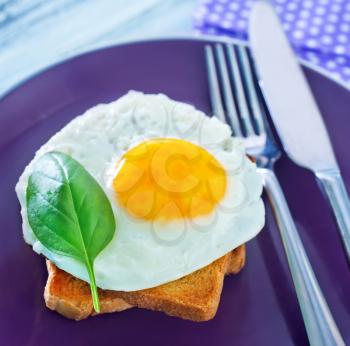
(214, 89)
(251, 89)
(241, 98)
(227, 91)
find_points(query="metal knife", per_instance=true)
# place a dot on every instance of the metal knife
(294, 111)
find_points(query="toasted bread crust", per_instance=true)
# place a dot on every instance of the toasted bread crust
(195, 297)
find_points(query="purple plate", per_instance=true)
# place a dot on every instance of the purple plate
(258, 306)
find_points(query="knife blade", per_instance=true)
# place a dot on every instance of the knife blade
(294, 111)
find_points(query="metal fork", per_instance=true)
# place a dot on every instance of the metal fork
(236, 100)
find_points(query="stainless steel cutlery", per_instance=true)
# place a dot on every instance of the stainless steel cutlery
(294, 111)
(236, 99)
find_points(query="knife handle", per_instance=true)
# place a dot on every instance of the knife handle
(319, 323)
(333, 186)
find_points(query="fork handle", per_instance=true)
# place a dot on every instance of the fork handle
(319, 323)
(333, 186)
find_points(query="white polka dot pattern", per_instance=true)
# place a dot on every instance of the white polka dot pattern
(319, 30)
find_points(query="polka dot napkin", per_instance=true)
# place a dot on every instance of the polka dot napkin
(319, 30)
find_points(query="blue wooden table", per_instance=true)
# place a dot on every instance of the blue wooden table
(35, 34)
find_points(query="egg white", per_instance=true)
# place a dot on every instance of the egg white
(146, 254)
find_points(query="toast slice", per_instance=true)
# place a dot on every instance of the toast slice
(194, 297)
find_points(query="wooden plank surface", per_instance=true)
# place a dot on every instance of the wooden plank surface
(35, 34)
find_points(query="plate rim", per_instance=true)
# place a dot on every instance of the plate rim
(203, 37)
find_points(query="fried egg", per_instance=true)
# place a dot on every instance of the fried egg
(182, 189)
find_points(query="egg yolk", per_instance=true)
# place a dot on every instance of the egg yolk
(168, 179)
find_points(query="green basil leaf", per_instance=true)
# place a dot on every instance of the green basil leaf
(68, 211)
